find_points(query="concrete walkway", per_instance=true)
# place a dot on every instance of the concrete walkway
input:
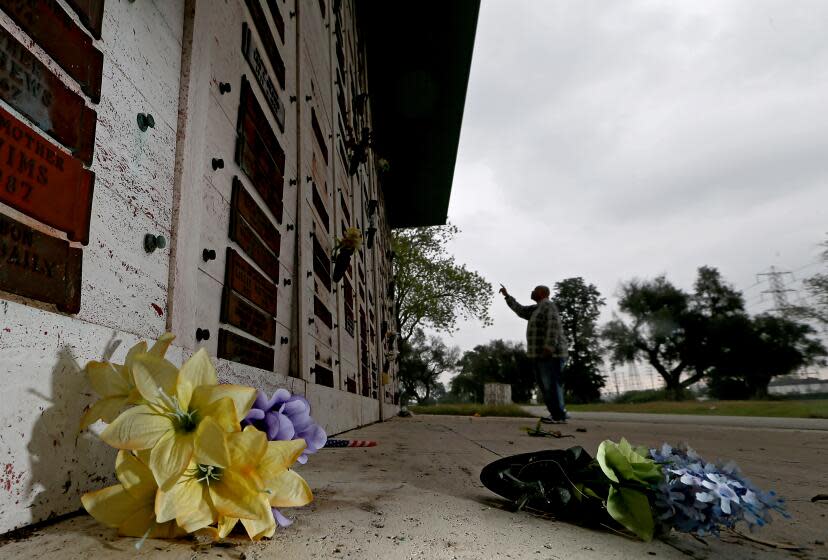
(417, 495)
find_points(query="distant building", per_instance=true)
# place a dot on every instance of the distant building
(188, 166)
(797, 386)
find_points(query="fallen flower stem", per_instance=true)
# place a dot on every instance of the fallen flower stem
(771, 544)
(819, 497)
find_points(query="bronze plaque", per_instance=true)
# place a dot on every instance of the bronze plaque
(254, 59)
(237, 312)
(39, 266)
(28, 86)
(242, 203)
(90, 13)
(53, 30)
(320, 137)
(245, 351)
(263, 29)
(246, 280)
(241, 233)
(252, 118)
(258, 152)
(268, 185)
(43, 182)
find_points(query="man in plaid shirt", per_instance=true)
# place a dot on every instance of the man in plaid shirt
(546, 347)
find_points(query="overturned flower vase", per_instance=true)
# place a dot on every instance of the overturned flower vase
(646, 492)
(185, 464)
(343, 251)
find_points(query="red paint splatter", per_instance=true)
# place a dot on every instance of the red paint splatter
(7, 329)
(9, 477)
(157, 309)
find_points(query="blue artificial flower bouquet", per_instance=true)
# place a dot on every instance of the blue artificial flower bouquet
(646, 491)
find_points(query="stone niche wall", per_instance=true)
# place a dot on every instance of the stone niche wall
(232, 134)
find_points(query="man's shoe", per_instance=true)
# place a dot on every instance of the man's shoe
(550, 420)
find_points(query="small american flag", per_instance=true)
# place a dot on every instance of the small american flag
(350, 443)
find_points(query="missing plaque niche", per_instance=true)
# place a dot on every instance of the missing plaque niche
(46, 22)
(32, 89)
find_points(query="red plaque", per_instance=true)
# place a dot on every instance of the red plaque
(237, 312)
(241, 233)
(28, 86)
(245, 351)
(39, 266)
(52, 28)
(246, 280)
(90, 13)
(242, 203)
(43, 182)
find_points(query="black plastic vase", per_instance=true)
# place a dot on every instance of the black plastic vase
(551, 481)
(343, 259)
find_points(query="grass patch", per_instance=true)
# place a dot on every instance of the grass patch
(470, 409)
(817, 408)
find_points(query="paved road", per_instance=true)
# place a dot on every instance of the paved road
(681, 419)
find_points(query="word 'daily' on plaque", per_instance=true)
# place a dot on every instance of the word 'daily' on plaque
(249, 282)
(39, 266)
(237, 348)
(237, 312)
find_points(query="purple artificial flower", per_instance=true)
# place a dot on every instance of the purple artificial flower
(284, 417)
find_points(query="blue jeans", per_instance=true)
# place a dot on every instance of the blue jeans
(548, 375)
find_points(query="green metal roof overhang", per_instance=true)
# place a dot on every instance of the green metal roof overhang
(419, 57)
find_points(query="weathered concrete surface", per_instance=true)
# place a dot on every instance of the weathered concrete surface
(417, 495)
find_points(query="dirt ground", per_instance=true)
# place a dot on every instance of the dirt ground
(417, 495)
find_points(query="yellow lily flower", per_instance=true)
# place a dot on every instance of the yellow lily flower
(115, 382)
(267, 466)
(181, 425)
(129, 506)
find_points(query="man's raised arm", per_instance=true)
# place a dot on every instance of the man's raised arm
(523, 311)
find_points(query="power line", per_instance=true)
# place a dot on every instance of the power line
(778, 289)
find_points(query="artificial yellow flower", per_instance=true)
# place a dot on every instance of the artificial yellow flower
(115, 382)
(268, 465)
(351, 239)
(129, 506)
(176, 424)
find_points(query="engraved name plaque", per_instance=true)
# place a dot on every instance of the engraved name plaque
(90, 13)
(52, 29)
(39, 266)
(237, 312)
(43, 182)
(263, 29)
(242, 203)
(245, 351)
(31, 88)
(246, 280)
(254, 59)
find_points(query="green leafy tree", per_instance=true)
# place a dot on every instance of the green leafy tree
(767, 346)
(579, 305)
(655, 333)
(432, 290)
(495, 362)
(422, 361)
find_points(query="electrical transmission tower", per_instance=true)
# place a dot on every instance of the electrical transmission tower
(778, 289)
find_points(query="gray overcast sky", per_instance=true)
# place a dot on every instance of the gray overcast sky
(611, 140)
